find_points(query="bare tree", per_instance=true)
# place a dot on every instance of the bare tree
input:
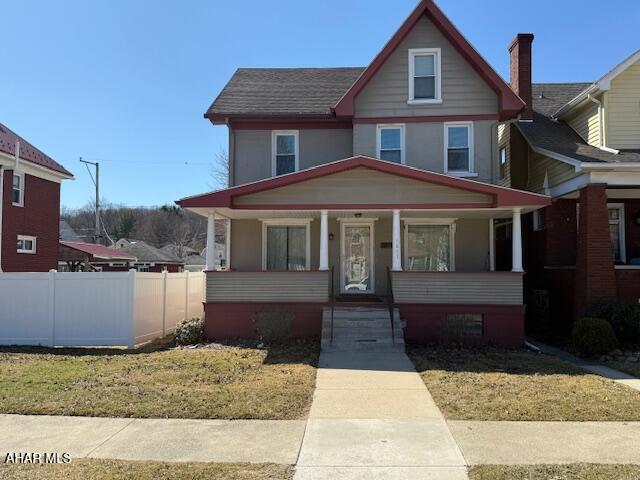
(219, 172)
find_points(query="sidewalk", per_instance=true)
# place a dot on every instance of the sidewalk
(251, 441)
(373, 418)
(590, 365)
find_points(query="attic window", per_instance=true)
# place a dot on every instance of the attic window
(424, 76)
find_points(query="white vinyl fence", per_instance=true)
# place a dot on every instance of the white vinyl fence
(95, 309)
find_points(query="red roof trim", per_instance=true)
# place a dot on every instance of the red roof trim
(502, 196)
(98, 251)
(509, 103)
(426, 119)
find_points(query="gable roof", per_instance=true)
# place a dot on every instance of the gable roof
(549, 97)
(28, 152)
(555, 138)
(98, 251)
(558, 140)
(603, 84)
(509, 103)
(502, 196)
(282, 91)
(147, 253)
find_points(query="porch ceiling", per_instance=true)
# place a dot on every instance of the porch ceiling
(485, 213)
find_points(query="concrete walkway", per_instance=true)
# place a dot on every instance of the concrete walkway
(251, 441)
(590, 365)
(373, 418)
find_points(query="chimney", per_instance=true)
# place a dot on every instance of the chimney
(520, 71)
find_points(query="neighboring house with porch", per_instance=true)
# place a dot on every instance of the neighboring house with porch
(87, 257)
(29, 205)
(580, 144)
(350, 184)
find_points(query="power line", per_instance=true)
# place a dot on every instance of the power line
(151, 162)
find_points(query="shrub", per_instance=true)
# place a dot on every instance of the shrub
(593, 336)
(624, 317)
(273, 327)
(190, 332)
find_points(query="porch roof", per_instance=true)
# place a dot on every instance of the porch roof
(454, 193)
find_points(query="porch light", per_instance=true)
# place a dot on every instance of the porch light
(358, 215)
(638, 217)
(330, 236)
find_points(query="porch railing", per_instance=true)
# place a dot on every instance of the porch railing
(332, 298)
(391, 302)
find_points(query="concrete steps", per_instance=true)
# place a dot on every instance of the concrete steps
(361, 328)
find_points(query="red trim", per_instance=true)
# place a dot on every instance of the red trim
(427, 119)
(509, 103)
(257, 122)
(503, 197)
(364, 206)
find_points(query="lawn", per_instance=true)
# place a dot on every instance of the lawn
(555, 472)
(158, 382)
(517, 385)
(121, 470)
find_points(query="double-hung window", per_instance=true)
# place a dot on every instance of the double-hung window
(429, 246)
(458, 146)
(26, 244)
(284, 152)
(390, 140)
(503, 161)
(616, 227)
(17, 192)
(286, 246)
(424, 76)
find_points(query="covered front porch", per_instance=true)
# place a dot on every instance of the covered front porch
(367, 230)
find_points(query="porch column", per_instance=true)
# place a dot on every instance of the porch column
(211, 241)
(492, 246)
(516, 235)
(396, 263)
(324, 240)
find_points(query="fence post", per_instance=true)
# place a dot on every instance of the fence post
(186, 295)
(52, 305)
(132, 306)
(164, 303)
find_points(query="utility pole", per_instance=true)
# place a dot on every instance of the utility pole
(96, 183)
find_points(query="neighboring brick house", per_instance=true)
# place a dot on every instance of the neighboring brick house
(29, 205)
(579, 143)
(350, 184)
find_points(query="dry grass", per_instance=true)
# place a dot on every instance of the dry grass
(493, 384)
(239, 383)
(555, 472)
(121, 470)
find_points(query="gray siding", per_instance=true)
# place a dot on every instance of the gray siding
(361, 186)
(267, 286)
(252, 152)
(424, 143)
(499, 288)
(464, 92)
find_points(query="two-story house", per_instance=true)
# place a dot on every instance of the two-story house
(369, 183)
(580, 144)
(29, 206)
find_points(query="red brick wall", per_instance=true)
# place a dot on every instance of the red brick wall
(628, 282)
(40, 217)
(595, 275)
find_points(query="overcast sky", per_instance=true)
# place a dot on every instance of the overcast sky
(126, 82)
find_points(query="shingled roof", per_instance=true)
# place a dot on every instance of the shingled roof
(28, 152)
(283, 91)
(557, 136)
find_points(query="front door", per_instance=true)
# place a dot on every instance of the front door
(357, 268)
